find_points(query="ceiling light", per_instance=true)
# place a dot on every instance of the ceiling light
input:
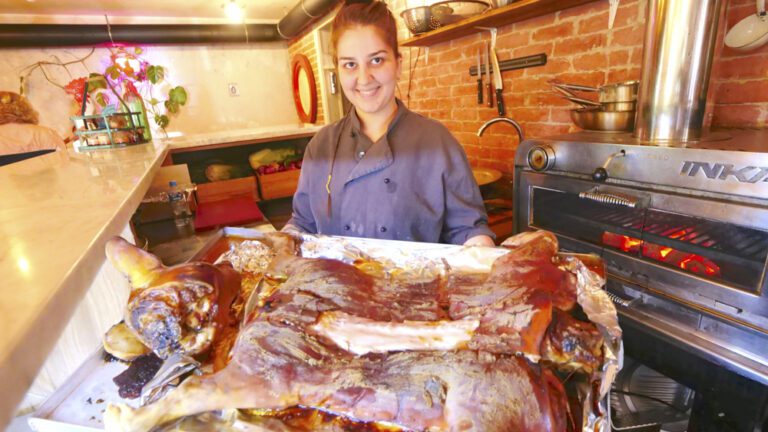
(234, 12)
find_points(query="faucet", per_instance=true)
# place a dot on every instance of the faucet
(502, 119)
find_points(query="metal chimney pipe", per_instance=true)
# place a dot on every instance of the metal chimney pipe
(677, 58)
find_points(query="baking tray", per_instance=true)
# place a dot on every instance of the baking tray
(78, 405)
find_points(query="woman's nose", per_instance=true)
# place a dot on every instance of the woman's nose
(364, 74)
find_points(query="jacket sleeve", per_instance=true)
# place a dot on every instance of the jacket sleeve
(302, 217)
(465, 215)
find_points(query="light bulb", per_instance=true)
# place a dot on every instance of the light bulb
(233, 11)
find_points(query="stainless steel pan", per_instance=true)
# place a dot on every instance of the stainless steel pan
(595, 119)
(619, 92)
(604, 106)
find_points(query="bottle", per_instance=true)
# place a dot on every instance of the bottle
(179, 205)
(136, 105)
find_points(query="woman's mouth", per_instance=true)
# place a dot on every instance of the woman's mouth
(366, 93)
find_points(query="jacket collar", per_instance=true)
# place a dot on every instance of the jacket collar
(379, 156)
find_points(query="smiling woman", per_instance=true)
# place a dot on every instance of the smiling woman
(384, 171)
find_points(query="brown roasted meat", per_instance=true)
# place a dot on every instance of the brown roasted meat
(455, 354)
(174, 309)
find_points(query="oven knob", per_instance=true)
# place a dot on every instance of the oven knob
(541, 158)
(600, 175)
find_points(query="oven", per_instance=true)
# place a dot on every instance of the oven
(683, 231)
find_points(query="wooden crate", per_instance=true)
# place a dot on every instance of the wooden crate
(226, 189)
(277, 185)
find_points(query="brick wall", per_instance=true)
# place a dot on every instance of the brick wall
(580, 49)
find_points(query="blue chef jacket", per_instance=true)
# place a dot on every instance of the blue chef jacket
(413, 184)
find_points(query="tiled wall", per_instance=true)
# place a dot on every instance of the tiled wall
(580, 49)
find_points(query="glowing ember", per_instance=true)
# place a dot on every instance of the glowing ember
(687, 261)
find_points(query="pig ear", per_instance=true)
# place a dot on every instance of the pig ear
(140, 266)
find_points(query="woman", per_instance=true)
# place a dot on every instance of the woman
(384, 171)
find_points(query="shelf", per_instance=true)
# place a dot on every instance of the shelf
(518, 11)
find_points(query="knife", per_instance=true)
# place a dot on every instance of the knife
(479, 80)
(497, 82)
(488, 88)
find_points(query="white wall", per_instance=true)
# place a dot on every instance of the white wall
(261, 71)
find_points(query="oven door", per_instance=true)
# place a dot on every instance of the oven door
(680, 258)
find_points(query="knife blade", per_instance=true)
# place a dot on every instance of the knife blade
(497, 82)
(488, 87)
(479, 80)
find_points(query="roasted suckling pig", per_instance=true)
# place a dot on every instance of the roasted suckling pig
(452, 352)
(174, 309)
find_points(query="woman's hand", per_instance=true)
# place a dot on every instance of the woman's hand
(480, 240)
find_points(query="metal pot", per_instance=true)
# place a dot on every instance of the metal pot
(595, 119)
(618, 92)
(603, 106)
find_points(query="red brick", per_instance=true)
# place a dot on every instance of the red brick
(618, 75)
(628, 15)
(553, 32)
(530, 84)
(448, 80)
(580, 11)
(465, 114)
(560, 115)
(529, 114)
(590, 62)
(742, 92)
(579, 44)
(593, 24)
(532, 24)
(496, 140)
(467, 139)
(594, 78)
(545, 48)
(463, 90)
(740, 115)
(513, 39)
(636, 58)
(618, 58)
(750, 67)
(554, 66)
(631, 37)
(503, 154)
(539, 130)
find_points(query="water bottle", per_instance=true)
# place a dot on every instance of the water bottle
(178, 202)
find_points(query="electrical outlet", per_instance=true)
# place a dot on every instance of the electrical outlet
(233, 90)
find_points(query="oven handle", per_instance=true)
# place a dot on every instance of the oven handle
(606, 198)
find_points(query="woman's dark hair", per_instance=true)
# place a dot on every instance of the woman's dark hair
(360, 13)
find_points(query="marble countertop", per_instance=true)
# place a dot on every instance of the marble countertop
(56, 213)
(224, 136)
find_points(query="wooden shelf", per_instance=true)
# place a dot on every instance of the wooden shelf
(518, 11)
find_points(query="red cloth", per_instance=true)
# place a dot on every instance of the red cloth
(234, 211)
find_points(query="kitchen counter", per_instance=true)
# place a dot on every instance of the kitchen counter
(57, 212)
(237, 136)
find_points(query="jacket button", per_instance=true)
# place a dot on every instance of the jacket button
(346, 227)
(383, 229)
(386, 180)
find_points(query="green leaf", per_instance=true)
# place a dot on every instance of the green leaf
(154, 101)
(162, 121)
(112, 72)
(102, 99)
(138, 50)
(155, 74)
(96, 81)
(178, 95)
(172, 106)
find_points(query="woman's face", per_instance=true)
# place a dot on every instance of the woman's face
(368, 70)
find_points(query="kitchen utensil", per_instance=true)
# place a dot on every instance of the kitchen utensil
(604, 106)
(488, 88)
(451, 11)
(479, 80)
(618, 92)
(484, 176)
(497, 77)
(603, 121)
(751, 32)
(420, 19)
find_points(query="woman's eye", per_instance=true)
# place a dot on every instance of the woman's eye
(348, 65)
(377, 60)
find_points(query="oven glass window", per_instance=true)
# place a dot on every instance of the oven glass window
(711, 249)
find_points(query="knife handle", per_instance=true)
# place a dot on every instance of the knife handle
(489, 90)
(479, 91)
(500, 103)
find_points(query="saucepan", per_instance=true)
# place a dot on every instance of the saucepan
(595, 119)
(618, 92)
(587, 103)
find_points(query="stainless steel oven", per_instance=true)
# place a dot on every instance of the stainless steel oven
(683, 231)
